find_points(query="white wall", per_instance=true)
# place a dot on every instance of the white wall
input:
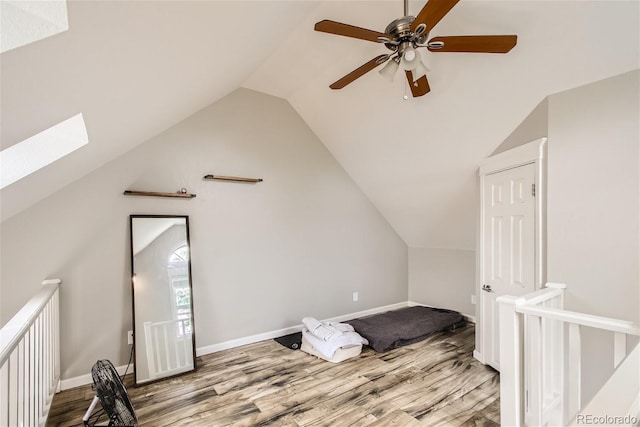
(443, 278)
(593, 210)
(593, 207)
(534, 126)
(263, 255)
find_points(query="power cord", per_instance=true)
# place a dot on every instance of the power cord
(128, 364)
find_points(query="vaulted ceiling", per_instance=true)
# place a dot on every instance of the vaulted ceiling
(136, 68)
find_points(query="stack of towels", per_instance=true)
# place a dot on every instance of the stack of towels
(329, 337)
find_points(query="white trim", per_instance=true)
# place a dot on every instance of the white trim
(13, 332)
(533, 152)
(88, 379)
(522, 155)
(201, 351)
(214, 348)
(582, 319)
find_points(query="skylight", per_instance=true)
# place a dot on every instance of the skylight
(42, 149)
(25, 22)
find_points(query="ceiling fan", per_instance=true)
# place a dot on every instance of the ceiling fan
(404, 36)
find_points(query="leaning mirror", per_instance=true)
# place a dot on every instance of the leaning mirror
(164, 340)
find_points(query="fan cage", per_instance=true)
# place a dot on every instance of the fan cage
(113, 397)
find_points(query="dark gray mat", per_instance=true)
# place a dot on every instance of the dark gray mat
(292, 341)
(405, 326)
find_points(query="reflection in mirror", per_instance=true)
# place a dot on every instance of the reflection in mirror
(164, 338)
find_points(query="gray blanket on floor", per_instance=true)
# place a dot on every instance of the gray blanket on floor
(405, 326)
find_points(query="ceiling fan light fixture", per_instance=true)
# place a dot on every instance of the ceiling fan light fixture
(390, 69)
(409, 55)
(419, 71)
(410, 59)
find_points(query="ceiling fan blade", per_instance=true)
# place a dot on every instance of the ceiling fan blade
(474, 44)
(360, 71)
(419, 87)
(432, 13)
(333, 27)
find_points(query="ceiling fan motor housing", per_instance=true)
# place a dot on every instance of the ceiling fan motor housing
(401, 30)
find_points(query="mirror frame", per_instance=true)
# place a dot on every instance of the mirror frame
(133, 298)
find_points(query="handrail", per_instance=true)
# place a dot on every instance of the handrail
(589, 320)
(537, 386)
(30, 359)
(540, 296)
(551, 291)
(14, 330)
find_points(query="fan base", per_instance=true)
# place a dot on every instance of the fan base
(401, 30)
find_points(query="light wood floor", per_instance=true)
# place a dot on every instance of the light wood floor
(435, 382)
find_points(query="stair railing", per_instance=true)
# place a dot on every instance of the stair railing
(30, 359)
(535, 390)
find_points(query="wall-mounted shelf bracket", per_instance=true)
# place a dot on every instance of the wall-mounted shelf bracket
(179, 195)
(230, 178)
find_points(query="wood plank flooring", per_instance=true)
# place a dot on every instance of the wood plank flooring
(435, 382)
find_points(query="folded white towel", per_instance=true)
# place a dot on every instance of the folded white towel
(327, 337)
(342, 327)
(325, 330)
(337, 340)
(319, 329)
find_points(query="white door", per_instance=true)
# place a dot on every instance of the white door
(509, 247)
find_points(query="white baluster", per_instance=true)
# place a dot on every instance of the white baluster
(511, 375)
(167, 355)
(186, 345)
(619, 348)
(20, 394)
(150, 347)
(32, 375)
(574, 388)
(536, 376)
(4, 394)
(176, 343)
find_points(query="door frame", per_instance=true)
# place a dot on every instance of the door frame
(533, 152)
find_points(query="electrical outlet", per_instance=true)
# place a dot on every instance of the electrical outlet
(355, 296)
(129, 337)
(473, 299)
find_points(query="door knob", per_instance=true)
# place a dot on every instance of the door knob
(487, 288)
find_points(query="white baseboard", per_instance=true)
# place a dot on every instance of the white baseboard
(88, 379)
(478, 356)
(201, 351)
